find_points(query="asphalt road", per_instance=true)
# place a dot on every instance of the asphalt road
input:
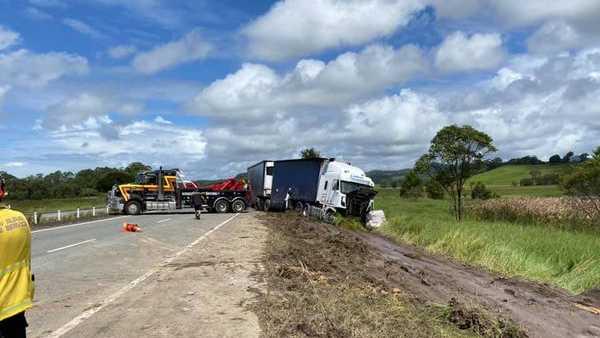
(78, 266)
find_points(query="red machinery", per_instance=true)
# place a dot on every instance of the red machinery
(231, 184)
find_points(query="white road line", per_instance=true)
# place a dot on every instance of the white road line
(76, 225)
(72, 245)
(108, 300)
(163, 220)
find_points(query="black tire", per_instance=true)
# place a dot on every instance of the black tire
(221, 206)
(267, 204)
(133, 208)
(260, 205)
(238, 206)
(298, 207)
(305, 211)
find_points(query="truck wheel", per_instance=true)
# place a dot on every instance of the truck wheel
(221, 206)
(329, 217)
(260, 206)
(238, 206)
(299, 207)
(133, 208)
(267, 204)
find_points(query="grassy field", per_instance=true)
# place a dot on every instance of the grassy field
(65, 204)
(570, 260)
(518, 191)
(507, 174)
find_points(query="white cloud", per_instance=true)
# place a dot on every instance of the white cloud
(156, 143)
(83, 28)
(191, 47)
(14, 164)
(162, 120)
(37, 14)
(518, 13)
(121, 51)
(3, 91)
(76, 111)
(554, 36)
(26, 69)
(456, 9)
(459, 52)
(8, 38)
(295, 28)
(257, 90)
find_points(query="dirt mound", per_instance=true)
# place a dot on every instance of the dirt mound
(324, 281)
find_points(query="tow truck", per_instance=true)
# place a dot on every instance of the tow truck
(168, 190)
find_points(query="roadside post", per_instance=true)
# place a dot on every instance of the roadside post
(35, 218)
(93, 211)
(58, 215)
(78, 213)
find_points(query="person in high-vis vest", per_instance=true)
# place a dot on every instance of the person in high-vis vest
(16, 279)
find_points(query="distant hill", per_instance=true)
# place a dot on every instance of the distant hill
(507, 174)
(386, 177)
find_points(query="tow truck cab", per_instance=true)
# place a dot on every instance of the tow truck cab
(146, 194)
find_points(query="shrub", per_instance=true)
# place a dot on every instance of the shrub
(548, 179)
(434, 190)
(481, 192)
(411, 186)
(526, 182)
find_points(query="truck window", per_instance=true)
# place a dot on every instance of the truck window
(325, 187)
(336, 185)
(270, 171)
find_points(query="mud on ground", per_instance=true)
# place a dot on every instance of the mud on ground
(324, 281)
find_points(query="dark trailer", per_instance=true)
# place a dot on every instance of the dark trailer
(300, 178)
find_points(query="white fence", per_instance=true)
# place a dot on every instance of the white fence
(65, 215)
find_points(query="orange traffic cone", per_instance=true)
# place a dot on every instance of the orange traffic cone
(128, 227)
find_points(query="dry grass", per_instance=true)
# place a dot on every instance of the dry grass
(560, 212)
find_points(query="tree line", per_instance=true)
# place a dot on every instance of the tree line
(67, 184)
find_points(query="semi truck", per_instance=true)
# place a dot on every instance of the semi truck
(167, 190)
(334, 186)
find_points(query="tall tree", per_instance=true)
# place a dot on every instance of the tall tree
(454, 156)
(309, 153)
(583, 184)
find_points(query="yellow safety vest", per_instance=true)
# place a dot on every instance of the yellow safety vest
(16, 283)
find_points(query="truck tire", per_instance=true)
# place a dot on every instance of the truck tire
(221, 206)
(260, 205)
(238, 206)
(133, 208)
(267, 204)
(298, 207)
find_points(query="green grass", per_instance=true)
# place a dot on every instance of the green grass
(570, 260)
(507, 174)
(49, 205)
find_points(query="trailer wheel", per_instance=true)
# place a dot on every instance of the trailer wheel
(238, 206)
(133, 208)
(221, 206)
(299, 207)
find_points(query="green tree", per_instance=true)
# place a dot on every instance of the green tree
(555, 159)
(434, 190)
(583, 184)
(452, 158)
(411, 185)
(137, 167)
(535, 176)
(309, 153)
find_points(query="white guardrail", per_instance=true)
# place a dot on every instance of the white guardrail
(39, 217)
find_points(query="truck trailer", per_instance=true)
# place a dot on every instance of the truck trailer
(332, 185)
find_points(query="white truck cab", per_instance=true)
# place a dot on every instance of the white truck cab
(339, 179)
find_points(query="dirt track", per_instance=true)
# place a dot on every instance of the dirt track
(324, 270)
(542, 310)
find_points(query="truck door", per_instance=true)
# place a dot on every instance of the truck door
(333, 194)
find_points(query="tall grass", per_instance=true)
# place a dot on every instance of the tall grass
(570, 260)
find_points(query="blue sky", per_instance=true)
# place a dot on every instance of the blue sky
(213, 86)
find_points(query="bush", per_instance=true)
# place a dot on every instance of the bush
(526, 182)
(434, 190)
(548, 179)
(481, 192)
(411, 186)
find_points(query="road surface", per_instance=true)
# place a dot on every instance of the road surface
(91, 276)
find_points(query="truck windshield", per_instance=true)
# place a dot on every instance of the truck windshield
(348, 187)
